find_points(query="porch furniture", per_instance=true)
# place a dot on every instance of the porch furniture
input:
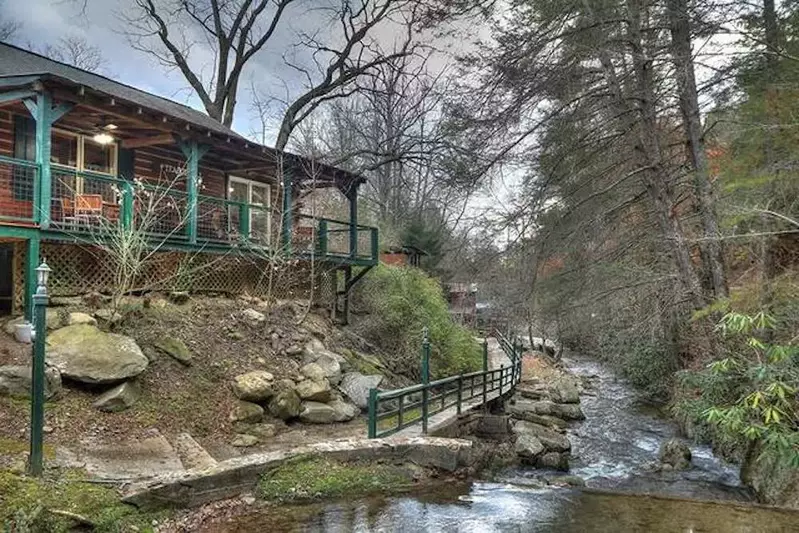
(89, 208)
(68, 212)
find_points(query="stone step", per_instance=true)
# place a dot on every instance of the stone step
(191, 453)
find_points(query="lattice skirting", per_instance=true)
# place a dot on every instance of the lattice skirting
(81, 269)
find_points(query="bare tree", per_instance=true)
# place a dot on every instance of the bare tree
(76, 51)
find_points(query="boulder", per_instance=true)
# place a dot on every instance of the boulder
(179, 297)
(256, 386)
(545, 407)
(15, 380)
(244, 441)
(551, 439)
(253, 317)
(528, 448)
(676, 453)
(118, 398)
(565, 391)
(545, 420)
(107, 316)
(285, 405)
(356, 386)
(75, 319)
(317, 391)
(261, 430)
(247, 412)
(331, 367)
(86, 354)
(533, 391)
(313, 371)
(554, 460)
(327, 413)
(174, 348)
(313, 349)
(11, 325)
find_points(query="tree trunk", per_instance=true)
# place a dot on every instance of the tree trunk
(682, 58)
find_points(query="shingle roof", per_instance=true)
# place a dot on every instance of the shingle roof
(18, 62)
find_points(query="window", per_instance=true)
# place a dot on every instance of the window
(256, 194)
(82, 153)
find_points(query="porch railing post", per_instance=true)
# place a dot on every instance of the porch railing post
(374, 244)
(425, 377)
(193, 152)
(323, 236)
(353, 198)
(460, 391)
(127, 205)
(244, 222)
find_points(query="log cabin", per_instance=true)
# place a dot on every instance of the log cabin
(84, 157)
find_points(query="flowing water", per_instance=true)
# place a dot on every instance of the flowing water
(614, 448)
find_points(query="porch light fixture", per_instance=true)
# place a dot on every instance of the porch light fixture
(42, 274)
(103, 138)
(111, 127)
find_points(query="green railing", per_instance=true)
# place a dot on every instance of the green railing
(83, 201)
(393, 410)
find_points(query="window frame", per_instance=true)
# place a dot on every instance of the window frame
(249, 183)
(81, 153)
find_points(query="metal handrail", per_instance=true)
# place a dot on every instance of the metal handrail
(442, 394)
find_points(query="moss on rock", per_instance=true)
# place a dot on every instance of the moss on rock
(312, 477)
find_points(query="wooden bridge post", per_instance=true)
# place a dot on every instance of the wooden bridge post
(485, 372)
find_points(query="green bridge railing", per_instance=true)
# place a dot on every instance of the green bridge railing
(393, 410)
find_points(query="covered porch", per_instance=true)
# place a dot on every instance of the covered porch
(77, 164)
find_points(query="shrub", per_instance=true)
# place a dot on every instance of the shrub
(650, 368)
(399, 302)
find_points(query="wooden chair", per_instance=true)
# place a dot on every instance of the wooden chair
(68, 212)
(89, 208)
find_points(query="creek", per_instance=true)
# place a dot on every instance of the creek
(613, 450)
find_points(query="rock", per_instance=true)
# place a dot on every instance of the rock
(86, 354)
(285, 405)
(533, 392)
(356, 386)
(247, 412)
(179, 297)
(15, 380)
(345, 411)
(64, 301)
(528, 448)
(262, 431)
(317, 391)
(545, 407)
(323, 413)
(253, 317)
(294, 349)
(313, 371)
(676, 453)
(11, 325)
(94, 299)
(175, 348)
(256, 386)
(81, 318)
(119, 398)
(107, 316)
(331, 367)
(244, 441)
(568, 481)
(545, 420)
(54, 320)
(313, 349)
(565, 391)
(555, 460)
(552, 440)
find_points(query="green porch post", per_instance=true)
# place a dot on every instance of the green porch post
(44, 123)
(45, 114)
(31, 262)
(287, 209)
(193, 152)
(353, 198)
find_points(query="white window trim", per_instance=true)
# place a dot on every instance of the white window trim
(249, 183)
(80, 166)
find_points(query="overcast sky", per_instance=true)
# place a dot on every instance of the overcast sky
(47, 21)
